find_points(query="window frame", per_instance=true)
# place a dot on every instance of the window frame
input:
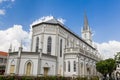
(49, 45)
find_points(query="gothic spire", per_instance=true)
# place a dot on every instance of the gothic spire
(86, 26)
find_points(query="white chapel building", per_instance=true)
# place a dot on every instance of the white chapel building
(55, 50)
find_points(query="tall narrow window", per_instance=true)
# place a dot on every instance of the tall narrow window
(64, 66)
(68, 41)
(74, 67)
(61, 48)
(68, 66)
(37, 44)
(28, 68)
(12, 67)
(49, 42)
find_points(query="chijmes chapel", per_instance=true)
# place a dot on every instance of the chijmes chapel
(55, 50)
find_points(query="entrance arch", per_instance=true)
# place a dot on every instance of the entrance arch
(117, 74)
(28, 68)
(46, 69)
(12, 67)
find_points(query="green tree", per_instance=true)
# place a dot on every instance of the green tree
(106, 66)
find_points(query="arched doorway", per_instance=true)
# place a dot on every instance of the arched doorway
(117, 74)
(28, 68)
(12, 67)
(88, 69)
(46, 69)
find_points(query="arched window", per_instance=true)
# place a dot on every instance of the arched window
(64, 66)
(28, 68)
(82, 68)
(37, 44)
(49, 42)
(68, 66)
(61, 48)
(68, 41)
(74, 67)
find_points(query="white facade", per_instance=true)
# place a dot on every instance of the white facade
(55, 50)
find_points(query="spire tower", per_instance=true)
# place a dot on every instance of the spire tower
(86, 26)
(86, 32)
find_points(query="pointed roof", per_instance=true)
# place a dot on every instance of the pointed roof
(54, 21)
(86, 26)
(51, 21)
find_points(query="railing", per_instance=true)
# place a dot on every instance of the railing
(74, 50)
(81, 51)
(71, 50)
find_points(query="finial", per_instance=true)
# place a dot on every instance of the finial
(14, 49)
(10, 48)
(21, 44)
(20, 47)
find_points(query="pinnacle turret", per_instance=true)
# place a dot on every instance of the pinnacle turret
(86, 32)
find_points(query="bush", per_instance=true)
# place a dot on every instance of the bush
(94, 78)
(81, 78)
(2, 77)
(15, 77)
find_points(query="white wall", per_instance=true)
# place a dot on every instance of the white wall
(51, 65)
(29, 58)
(52, 46)
(71, 73)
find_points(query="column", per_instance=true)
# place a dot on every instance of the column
(80, 70)
(39, 62)
(84, 67)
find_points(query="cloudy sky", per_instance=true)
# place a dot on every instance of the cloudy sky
(17, 16)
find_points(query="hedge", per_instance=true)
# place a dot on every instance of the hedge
(45, 78)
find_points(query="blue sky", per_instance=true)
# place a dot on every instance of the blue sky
(103, 15)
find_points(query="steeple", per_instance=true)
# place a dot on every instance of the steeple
(86, 32)
(86, 25)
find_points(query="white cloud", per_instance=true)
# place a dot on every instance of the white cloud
(6, 1)
(12, 0)
(46, 18)
(108, 49)
(42, 19)
(4, 7)
(14, 35)
(2, 1)
(2, 12)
